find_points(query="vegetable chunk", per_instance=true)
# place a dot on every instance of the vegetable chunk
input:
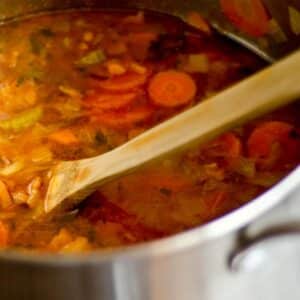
(172, 88)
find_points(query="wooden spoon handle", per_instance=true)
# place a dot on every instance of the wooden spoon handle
(274, 87)
(271, 88)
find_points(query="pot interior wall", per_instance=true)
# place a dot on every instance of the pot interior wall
(14, 8)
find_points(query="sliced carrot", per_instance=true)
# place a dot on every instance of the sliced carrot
(122, 119)
(196, 20)
(106, 101)
(123, 83)
(249, 16)
(265, 137)
(172, 88)
(64, 137)
(4, 235)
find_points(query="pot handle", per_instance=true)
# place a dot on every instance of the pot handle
(256, 252)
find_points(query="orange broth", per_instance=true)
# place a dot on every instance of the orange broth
(76, 85)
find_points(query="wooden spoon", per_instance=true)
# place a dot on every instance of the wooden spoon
(267, 90)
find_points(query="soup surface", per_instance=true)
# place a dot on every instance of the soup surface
(76, 85)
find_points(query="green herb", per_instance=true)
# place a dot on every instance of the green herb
(47, 32)
(92, 58)
(23, 120)
(165, 191)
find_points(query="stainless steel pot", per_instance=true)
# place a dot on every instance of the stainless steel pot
(250, 254)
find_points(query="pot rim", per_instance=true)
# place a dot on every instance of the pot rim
(233, 221)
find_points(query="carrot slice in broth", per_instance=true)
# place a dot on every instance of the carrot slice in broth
(172, 88)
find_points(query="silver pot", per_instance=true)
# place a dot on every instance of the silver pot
(250, 254)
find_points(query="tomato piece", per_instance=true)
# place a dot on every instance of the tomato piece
(273, 142)
(250, 16)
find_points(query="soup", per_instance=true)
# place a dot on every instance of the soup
(78, 84)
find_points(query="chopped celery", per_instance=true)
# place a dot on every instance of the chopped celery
(198, 63)
(92, 58)
(294, 15)
(23, 120)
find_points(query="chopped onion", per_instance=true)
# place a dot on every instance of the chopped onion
(12, 168)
